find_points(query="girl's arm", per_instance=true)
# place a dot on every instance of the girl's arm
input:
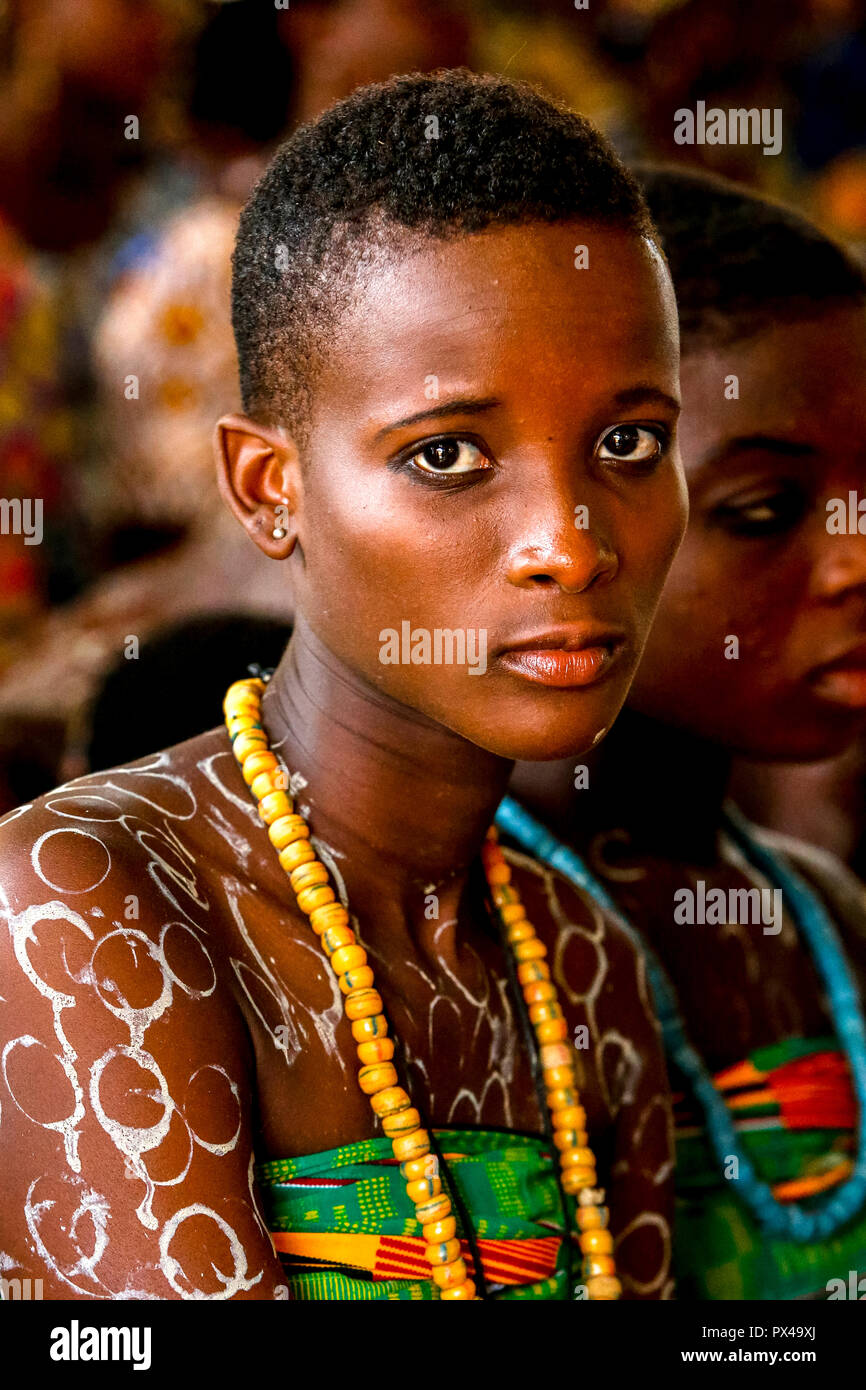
(126, 1080)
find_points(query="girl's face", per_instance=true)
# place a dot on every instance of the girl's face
(492, 457)
(760, 638)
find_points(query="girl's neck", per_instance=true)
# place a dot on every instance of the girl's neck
(663, 786)
(403, 802)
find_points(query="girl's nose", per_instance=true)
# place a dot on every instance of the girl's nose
(841, 566)
(572, 559)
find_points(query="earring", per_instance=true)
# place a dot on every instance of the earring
(278, 532)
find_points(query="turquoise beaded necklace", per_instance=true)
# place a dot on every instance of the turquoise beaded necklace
(789, 1221)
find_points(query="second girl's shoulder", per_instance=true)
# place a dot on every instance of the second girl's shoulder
(838, 889)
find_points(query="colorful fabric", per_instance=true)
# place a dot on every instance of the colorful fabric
(795, 1114)
(344, 1228)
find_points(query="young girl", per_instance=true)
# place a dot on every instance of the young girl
(759, 648)
(458, 354)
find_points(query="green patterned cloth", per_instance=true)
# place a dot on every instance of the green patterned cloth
(345, 1228)
(795, 1121)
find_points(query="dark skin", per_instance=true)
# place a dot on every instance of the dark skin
(822, 803)
(757, 562)
(398, 769)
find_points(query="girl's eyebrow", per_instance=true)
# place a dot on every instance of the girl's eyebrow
(463, 405)
(470, 405)
(763, 443)
(637, 395)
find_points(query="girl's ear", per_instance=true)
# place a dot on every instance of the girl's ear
(258, 472)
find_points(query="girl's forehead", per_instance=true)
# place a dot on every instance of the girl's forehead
(576, 251)
(560, 290)
(784, 397)
(801, 365)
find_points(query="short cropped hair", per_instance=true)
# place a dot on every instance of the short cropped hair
(422, 156)
(741, 262)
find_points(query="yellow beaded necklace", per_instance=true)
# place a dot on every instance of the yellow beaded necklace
(290, 836)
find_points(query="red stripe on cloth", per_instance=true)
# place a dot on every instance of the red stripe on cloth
(385, 1271)
(518, 1261)
(538, 1246)
(389, 1269)
(503, 1261)
(815, 1092)
(401, 1256)
(515, 1270)
(410, 1264)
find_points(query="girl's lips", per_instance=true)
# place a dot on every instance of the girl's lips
(842, 685)
(563, 669)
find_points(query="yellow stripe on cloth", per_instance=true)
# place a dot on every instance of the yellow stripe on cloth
(796, 1188)
(352, 1249)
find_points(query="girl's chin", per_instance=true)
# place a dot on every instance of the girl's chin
(799, 745)
(554, 750)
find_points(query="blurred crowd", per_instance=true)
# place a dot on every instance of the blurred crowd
(130, 134)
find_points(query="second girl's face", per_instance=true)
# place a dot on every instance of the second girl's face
(492, 457)
(760, 638)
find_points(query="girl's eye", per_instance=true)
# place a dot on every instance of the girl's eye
(759, 514)
(449, 457)
(768, 515)
(631, 444)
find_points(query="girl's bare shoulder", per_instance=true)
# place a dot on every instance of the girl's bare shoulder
(160, 814)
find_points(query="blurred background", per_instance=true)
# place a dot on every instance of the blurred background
(131, 132)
